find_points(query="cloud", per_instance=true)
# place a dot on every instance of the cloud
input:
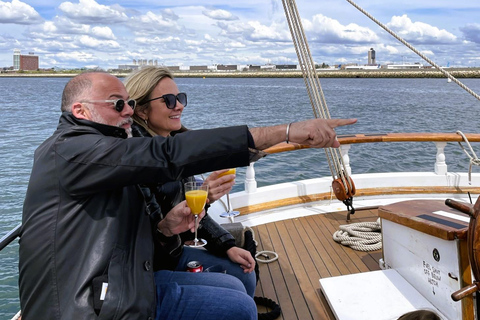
(89, 42)
(274, 32)
(220, 14)
(62, 27)
(18, 12)
(151, 23)
(103, 33)
(156, 40)
(78, 55)
(327, 30)
(89, 11)
(419, 32)
(471, 32)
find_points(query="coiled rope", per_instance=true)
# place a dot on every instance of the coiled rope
(265, 253)
(360, 236)
(275, 309)
(473, 158)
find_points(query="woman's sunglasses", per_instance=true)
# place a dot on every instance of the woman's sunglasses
(171, 99)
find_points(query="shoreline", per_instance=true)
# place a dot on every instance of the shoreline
(390, 73)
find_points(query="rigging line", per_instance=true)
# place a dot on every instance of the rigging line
(293, 25)
(446, 73)
(314, 89)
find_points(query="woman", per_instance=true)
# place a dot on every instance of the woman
(158, 112)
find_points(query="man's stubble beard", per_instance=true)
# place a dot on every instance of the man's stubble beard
(96, 117)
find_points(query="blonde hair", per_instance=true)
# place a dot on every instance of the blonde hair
(140, 85)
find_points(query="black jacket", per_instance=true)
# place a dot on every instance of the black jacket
(161, 199)
(85, 217)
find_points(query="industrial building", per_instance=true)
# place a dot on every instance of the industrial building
(24, 62)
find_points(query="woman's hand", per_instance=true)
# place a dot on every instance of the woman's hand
(219, 186)
(242, 257)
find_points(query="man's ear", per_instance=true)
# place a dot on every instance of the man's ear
(80, 111)
(142, 113)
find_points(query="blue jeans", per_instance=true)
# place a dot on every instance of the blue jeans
(202, 296)
(207, 259)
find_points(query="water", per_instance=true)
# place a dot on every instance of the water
(30, 111)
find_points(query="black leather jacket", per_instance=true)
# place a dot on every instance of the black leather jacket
(162, 198)
(85, 218)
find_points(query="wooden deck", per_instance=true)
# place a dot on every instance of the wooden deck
(307, 252)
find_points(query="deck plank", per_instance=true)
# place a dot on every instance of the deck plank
(304, 267)
(307, 252)
(299, 306)
(265, 287)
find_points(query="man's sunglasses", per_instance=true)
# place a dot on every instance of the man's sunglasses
(171, 99)
(118, 104)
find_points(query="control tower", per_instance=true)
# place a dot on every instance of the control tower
(371, 57)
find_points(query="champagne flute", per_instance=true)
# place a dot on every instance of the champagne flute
(229, 213)
(196, 195)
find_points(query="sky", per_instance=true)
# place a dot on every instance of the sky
(106, 34)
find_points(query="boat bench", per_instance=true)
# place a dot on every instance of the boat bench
(424, 261)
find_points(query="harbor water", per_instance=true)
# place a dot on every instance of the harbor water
(30, 108)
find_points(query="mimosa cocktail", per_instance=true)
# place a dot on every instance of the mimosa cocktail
(196, 195)
(229, 171)
(196, 200)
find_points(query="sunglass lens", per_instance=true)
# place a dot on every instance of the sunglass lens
(119, 105)
(182, 97)
(170, 101)
(132, 103)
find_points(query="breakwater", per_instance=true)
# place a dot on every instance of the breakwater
(387, 73)
(377, 73)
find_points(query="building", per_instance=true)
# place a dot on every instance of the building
(198, 68)
(16, 59)
(371, 57)
(24, 62)
(405, 66)
(286, 67)
(354, 67)
(131, 67)
(228, 67)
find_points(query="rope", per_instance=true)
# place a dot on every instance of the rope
(314, 90)
(424, 57)
(264, 253)
(473, 158)
(275, 309)
(361, 236)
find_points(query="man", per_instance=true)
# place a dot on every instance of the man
(86, 244)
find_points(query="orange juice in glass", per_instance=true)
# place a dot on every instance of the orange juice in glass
(230, 171)
(196, 195)
(196, 200)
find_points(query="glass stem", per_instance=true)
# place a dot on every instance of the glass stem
(196, 227)
(228, 203)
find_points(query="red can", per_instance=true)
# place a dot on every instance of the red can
(194, 266)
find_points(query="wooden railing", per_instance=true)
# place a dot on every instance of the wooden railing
(440, 140)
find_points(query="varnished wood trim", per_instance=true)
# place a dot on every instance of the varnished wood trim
(385, 137)
(360, 192)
